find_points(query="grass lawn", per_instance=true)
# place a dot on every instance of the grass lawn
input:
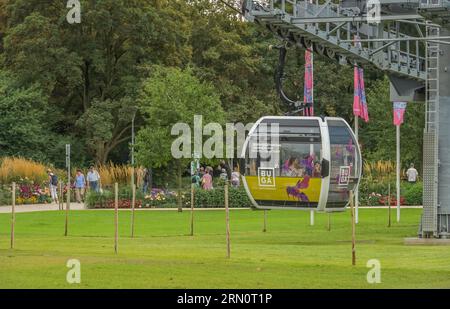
(291, 254)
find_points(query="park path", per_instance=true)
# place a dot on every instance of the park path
(39, 207)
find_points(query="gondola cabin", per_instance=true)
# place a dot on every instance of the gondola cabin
(301, 163)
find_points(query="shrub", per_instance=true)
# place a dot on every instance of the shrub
(5, 195)
(167, 199)
(97, 200)
(413, 193)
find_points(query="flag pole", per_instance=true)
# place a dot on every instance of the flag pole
(356, 189)
(398, 171)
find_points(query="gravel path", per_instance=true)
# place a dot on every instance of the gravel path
(39, 207)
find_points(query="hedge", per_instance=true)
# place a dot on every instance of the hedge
(203, 199)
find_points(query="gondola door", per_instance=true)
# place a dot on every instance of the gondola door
(345, 164)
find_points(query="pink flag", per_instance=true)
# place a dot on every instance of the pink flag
(360, 108)
(399, 112)
(364, 113)
(309, 84)
(356, 98)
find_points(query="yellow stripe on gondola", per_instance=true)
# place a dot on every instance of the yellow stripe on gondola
(280, 191)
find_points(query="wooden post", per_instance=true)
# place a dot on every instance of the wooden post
(66, 227)
(13, 213)
(352, 207)
(180, 184)
(329, 222)
(133, 209)
(227, 218)
(60, 199)
(389, 205)
(265, 221)
(192, 208)
(116, 217)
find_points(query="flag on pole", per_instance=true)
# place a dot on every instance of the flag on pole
(308, 97)
(360, 108)
(399, 112)
(356, 97)
(363, 100)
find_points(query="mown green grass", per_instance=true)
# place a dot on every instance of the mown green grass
(291, 254)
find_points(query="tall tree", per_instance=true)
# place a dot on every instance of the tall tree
(172, 96)
(22, 120)
(84, 67)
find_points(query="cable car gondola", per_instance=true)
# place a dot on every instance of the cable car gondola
(306, 163)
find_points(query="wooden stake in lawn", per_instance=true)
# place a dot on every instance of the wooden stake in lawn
(61, 199)
(352, 207)
(192, 208)
(227, 219)
(329, 222)
(116, 217)
(389, 205)
(265, 221)
(13, 213)
(66, 227)
(133, 206)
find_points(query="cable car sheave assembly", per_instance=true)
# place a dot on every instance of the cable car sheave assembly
(305, 163)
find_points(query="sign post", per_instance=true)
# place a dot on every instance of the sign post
(66, 227)
(192, 208)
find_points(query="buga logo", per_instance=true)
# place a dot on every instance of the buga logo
(266, 177)
(373, 11)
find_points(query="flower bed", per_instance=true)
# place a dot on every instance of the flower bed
(158, 198)
(376, 199)
(376, 193)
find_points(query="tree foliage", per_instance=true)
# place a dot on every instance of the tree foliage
(81, 83)
(168, 97)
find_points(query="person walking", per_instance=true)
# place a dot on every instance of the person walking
(223, 175)
(53, 186)
(207, 181)
(147, 180)
(93, 179)
(236, 177)
(195, 179)
(412, 174)
(80, 185)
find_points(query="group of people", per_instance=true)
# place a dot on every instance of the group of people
(203, 177)
(293, 167)
(81, 183)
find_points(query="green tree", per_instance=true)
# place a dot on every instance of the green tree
(232, 54)
(168, 97)
(22, 121)
(378, 137)
(82, 67)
